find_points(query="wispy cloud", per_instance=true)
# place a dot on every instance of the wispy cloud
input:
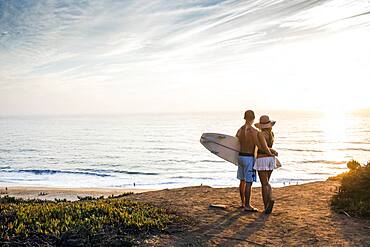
(137, 43)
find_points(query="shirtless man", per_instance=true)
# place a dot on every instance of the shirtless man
(246, 174)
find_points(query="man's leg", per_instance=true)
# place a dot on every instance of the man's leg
(250, 177)
(241, 177)
(248, 193)
(242, 192)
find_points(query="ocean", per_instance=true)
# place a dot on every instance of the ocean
(158, 151)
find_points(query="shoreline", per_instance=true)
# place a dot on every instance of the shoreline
(70, 194)
(137, 189)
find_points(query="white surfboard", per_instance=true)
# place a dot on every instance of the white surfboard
(224, 146)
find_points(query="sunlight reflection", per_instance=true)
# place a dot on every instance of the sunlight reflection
(334, 125)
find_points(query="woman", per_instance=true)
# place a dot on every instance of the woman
(265, 162)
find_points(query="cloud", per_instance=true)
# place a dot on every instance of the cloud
(136, 43)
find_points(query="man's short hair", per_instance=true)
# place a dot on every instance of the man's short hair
(249, 115)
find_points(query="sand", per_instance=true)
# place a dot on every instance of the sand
(71, 194)
(301, 216)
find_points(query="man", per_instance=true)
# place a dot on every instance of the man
(246, 174)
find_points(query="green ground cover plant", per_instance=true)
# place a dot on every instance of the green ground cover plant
(353, 196)
(88, 222)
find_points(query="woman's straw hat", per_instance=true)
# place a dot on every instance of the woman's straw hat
(265, 122)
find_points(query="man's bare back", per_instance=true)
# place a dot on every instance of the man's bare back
(247, 136)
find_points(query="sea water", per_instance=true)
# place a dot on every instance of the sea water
(163, 150)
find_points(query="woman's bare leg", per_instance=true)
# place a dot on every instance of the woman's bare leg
(263, 175)
(269, 186)
(269, 174)
(266, 190)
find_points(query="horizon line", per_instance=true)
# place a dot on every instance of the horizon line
(307, 111)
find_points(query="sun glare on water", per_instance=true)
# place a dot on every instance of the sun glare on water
(334, 126)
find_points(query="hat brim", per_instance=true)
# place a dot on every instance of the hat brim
(266, 125)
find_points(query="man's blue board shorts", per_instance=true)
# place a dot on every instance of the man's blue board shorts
(245, 169)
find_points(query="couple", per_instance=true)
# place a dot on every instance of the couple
(251, 140)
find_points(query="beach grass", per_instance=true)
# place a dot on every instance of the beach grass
(353, 197)
(110, 221)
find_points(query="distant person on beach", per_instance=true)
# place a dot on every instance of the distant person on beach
(266, 161)
(246, 174)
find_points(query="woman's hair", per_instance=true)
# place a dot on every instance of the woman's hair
(271, 134)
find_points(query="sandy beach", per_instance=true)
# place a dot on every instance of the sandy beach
(301, 217)
(70, 194)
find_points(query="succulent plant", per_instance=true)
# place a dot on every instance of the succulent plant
(22, 219)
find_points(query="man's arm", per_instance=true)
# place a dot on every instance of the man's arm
(238, 134)
(274, 152)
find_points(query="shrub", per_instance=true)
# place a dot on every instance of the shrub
(56, 221)
(353, 196)
(353, 165)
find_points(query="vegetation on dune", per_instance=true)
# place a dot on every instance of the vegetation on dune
(112, 221)
(353, 196)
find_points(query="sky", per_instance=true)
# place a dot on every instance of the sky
(112, 57)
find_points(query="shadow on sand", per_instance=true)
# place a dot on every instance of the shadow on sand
(219, 232)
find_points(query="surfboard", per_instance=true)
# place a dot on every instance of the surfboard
(224, 146)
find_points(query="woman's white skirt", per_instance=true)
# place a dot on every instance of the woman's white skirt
(265, 164)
